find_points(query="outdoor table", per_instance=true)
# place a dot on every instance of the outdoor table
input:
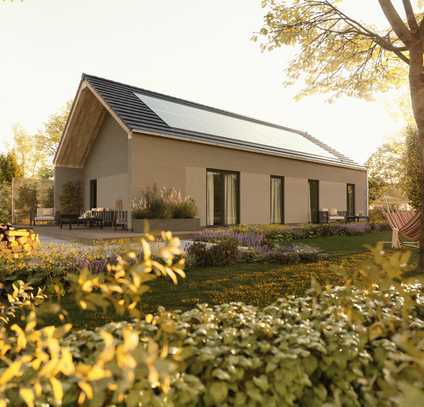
(357, 218)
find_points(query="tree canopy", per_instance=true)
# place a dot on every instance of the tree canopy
(341, 55)
(9, 168)
(336, 53)
(35, 152)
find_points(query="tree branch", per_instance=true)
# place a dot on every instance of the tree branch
(396, 22)
(410, 16)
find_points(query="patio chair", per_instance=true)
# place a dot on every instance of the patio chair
(332, 215)
(121, 219)
(44, 215)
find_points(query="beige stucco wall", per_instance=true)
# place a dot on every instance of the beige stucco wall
(296, 200)
(252, 187)
(332, 195)
(108, 163)
(179, 164)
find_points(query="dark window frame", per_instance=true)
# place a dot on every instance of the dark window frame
(283, 207)
(237, 173)
(353, 199)
(318, 194)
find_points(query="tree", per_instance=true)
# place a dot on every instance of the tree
(35, 152)
(386, 163)
(48, 138)
(9, 168)
(28, 154)
(27, 198)
(411, 164)
(341, 55)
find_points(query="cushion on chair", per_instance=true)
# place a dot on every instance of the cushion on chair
(333, 212)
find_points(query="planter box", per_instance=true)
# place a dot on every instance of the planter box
(173, 225)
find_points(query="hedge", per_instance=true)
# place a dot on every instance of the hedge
(300, 351)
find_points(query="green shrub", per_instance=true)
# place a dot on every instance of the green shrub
(223, 253)
(70, 198)
(299, 351)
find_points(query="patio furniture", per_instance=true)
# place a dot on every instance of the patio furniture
(69, 219)
(332, 215)
(44, 215)
(120, 219)
(357, 218)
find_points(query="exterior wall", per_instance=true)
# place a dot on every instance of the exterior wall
(333, 195)
(180, 164)
(296, 200)
(108, 163)
(62, 175)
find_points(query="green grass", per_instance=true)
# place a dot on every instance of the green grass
(256, 284)
(346, 245)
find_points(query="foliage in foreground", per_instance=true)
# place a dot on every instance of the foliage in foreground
(357, 345)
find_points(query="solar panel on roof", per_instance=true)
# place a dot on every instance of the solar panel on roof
(186, 117)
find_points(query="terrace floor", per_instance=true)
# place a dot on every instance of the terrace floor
(87, 235)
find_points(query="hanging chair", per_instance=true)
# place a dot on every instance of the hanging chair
(405, 223)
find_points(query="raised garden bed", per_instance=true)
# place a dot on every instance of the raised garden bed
(173, 225)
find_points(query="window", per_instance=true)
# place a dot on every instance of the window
(277, 199)
(222, 197)
(350, 197)
(93, 193)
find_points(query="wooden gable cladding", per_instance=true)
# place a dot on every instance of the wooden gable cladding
(84, 125)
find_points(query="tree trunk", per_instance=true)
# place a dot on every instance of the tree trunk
(416, 83)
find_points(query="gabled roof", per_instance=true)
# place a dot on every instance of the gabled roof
(143, 111)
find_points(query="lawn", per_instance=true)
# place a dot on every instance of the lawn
(346, 245)
(253, 283)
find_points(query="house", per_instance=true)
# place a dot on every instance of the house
(120, 139)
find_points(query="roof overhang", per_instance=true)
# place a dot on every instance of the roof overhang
(85, 120)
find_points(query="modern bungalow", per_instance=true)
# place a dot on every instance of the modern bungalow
(121, 139)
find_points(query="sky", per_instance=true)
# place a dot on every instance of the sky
(193, 49)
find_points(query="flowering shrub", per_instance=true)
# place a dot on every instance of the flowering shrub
(269, 236)
(163, 203)
(287, 254)
(223, 253)
(251, 239)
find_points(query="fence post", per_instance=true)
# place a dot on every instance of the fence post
(13, 200)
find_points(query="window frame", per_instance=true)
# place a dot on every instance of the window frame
(237, 173)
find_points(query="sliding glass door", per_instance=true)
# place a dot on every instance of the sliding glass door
(222, 197)
(277, 199)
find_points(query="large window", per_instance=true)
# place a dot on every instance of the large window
(350, 196)
(222, 197)
(277, 199)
